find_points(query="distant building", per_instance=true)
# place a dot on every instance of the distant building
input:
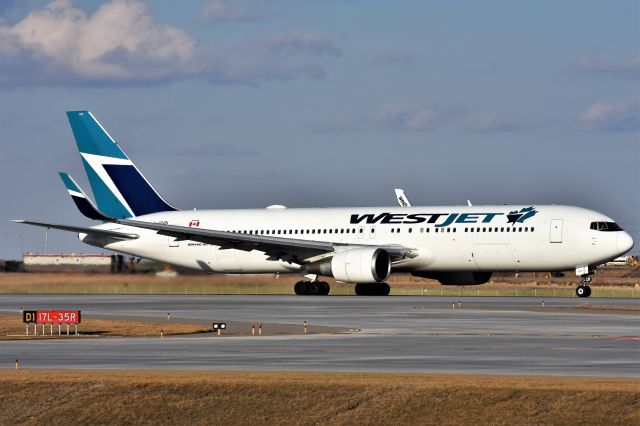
(63, 262)
(620, 261)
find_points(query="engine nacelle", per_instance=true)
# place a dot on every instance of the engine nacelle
(361, 265)
(456, 278)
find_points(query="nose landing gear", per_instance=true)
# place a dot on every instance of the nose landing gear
(583, 289)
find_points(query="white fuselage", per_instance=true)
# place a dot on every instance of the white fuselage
(445, 238)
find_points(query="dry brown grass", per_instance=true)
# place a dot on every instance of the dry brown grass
(11, 327)
(401, 284)
(117, 397)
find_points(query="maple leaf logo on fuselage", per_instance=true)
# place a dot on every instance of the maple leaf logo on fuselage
(520, 216)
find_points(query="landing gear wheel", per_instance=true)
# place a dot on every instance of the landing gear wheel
(311, 288)
(583, 291)
(300, 288)
(380, 289)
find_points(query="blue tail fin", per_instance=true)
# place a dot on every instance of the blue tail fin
(120, 190)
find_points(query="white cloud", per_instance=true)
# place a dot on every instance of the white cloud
(400, 116)
(621, 69)
(489, 122)
(393, 57)
(621, 116)
(301, 42)
(122, 44)
(215, 150)
(120, 41)
(226, 11)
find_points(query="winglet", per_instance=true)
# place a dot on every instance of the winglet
(83, 202)
(402, 198)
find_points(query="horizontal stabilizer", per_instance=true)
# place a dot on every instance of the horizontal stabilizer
(81, 230)
(84, 204)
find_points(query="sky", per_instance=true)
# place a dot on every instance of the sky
(308, 103)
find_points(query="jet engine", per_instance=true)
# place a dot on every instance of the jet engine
(456, 278)
(361, 265)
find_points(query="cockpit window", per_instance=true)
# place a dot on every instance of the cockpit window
(605, 226)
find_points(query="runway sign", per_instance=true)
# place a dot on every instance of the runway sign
(51, 317)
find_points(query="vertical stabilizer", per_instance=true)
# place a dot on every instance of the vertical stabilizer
(120, 190)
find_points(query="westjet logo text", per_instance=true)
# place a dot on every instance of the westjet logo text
(439, 219)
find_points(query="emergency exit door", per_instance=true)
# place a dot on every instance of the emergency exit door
(555, 235)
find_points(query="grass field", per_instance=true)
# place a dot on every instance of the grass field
(401, 284)
(228, 398)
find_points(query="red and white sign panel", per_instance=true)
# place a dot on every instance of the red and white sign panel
(58, 317)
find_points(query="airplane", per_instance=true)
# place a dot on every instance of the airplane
(456, 245)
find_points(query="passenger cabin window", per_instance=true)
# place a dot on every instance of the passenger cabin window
(605, 226)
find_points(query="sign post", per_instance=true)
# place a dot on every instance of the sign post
(50, 317)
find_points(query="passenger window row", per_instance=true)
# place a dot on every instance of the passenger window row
(393, 230)
(500, 229)
(298, 231)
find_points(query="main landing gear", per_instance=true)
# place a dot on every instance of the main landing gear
(311, 288)
(379, 289)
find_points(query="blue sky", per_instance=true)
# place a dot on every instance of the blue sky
(239, 104)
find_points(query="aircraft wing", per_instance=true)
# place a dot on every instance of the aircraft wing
(81, 230)
(288, 249)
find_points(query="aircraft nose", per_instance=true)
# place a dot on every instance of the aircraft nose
(624, 243)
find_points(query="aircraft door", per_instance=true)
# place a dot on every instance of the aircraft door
(372, 232)
(555, 234)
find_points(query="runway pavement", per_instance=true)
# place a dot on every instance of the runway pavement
(399, 334)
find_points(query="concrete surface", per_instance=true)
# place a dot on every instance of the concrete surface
(401, 334)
